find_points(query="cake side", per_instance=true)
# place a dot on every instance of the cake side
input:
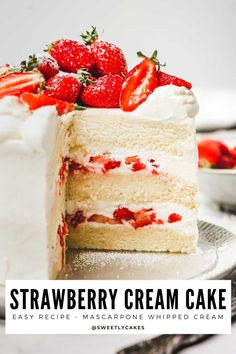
(30, 214)
(113, 168)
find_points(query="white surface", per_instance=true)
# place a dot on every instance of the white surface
(195, 38)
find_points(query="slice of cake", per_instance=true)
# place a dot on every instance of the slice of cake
(117, 173)
(133, 178)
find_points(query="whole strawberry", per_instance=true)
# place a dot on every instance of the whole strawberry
(103, 92)
(64, 87)
(47, 66)
(71, 55)
(108, 57)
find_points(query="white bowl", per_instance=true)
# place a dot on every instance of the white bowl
(220, 186)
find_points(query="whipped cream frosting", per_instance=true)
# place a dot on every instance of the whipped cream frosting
(183, 167)
(37, 129)
(168, 102)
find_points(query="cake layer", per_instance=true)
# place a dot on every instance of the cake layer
(118, 237)
(120, 130)
(132, 188)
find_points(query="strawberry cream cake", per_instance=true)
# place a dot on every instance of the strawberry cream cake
(94, 157)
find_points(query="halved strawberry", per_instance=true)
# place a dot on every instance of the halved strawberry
(35, 101)
(166, 79)
(174, 218)
(140, 82)
(123, 213)
(103, 219)
(16, 83)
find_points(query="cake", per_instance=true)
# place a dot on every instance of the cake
(118, 175)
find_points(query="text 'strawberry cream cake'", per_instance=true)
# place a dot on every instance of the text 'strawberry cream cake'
(94, 157)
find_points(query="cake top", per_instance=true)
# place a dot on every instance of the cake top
(73, 75)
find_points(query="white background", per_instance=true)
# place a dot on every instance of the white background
(195, 37)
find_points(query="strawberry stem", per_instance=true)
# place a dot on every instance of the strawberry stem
(153, 58)
(48, 47)
(30, 64)
(84, 77)
(78, 107)
(90, 37)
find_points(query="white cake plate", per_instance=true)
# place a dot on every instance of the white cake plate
(214, 258)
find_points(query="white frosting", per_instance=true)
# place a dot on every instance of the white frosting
(27, 144)
(168, 102)
(38, 130)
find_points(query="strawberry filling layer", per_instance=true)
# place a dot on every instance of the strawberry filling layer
(122, 215)
(105, 162)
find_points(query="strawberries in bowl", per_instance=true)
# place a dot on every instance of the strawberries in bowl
(215, 154)
(217, 173)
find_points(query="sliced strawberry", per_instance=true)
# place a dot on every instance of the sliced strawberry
(35, 101)
(123, 213)
(103, 219)
(101, 159)
(210, 152)
(16, 83)
(140, 82)
(166, 79)
(144, 217)
(131, 159)
(174, 218)
(155, 172)
(111, 165)
(138, 166)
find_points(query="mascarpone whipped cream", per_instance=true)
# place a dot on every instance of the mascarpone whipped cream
(168, 102)
(37, 129)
